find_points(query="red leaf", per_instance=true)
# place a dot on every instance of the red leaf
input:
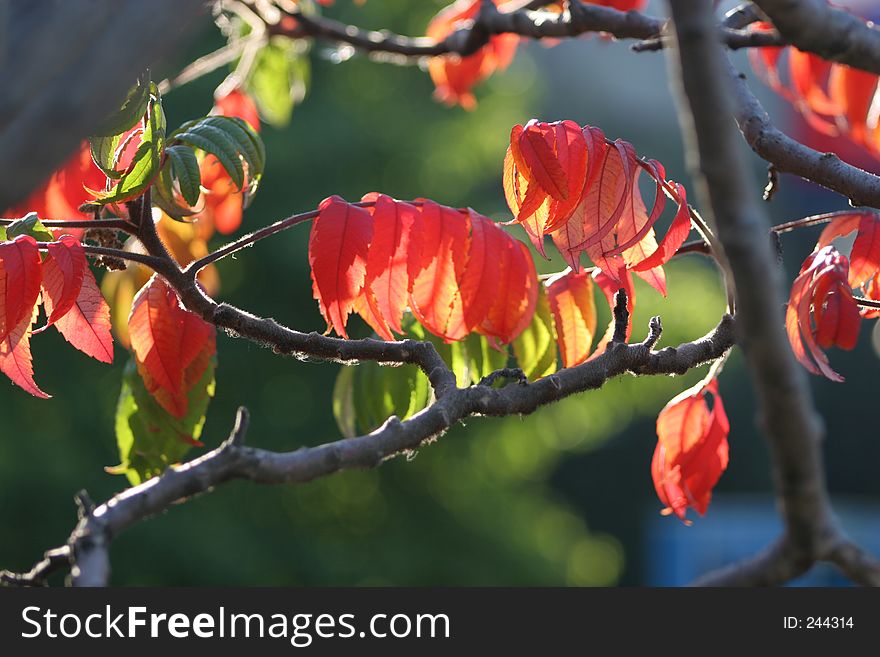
(172, 346)
(453, 76)
(239, 104)
(537, 145)
(574, 313)
(15, 356)
(514, 300)
(391, 262)
(63, 272)
(865, 255)
(436, 295)
(821, 307)
(480, 280)
(674, 237)
(64, 191)
(852, 92)
(86, 324)
(338, 250)
(604, 200)
(20, 276)
(692, 450)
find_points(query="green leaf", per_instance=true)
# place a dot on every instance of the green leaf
(147, 159)
(343, 402)
(133, 109)
(29, 224)
(278, 79)
(104, 154)
(185, 169)
(535, 348)
(218, 143)
(244, 137)
(367, 394)
(148, 437)
(163, 196)
(482, 358)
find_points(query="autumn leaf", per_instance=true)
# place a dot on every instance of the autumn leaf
(515, 298)
(172, 346)
(15, 356)
(339, 245)
(436, 297)
(692, 450)
(20, 277)
(63, 271)
(864, 260)
(574, 315)
(86, 324)
(453, 75)
(391, 263)
(821, 311)
(62, 194)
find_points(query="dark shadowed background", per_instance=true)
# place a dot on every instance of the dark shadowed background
(563, 497)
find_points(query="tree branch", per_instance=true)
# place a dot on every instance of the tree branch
(582, 18)
(786, 412)
(89, 543)
(790, 156)
(833, 34)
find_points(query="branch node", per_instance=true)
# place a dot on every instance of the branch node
(655, 330)
(84, 504)
(621, 318)
(504, 373)
(239, 429)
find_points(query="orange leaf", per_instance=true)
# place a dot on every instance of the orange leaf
(436, 295)
(20, 277)
(692, 450)
(63, 272)
(392, 260)
(515, 299)
(821, 307)
(172, 346)
(86, 324)
(574, 313)
(338, 249)
(15, 356)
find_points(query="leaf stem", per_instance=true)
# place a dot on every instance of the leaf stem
(115, 224)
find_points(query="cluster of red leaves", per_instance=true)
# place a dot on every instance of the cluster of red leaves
(583, 190)
(172, 346)
(692, 450)
(62, 194)
(835, 99)
(454, 76)
(822, 311)
(455, 269)
(70, 297)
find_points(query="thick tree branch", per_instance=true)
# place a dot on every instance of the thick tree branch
(786, 412)
(91, 539)
(833, 34)
(790, 156)
(582, 18)
(780, 150)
